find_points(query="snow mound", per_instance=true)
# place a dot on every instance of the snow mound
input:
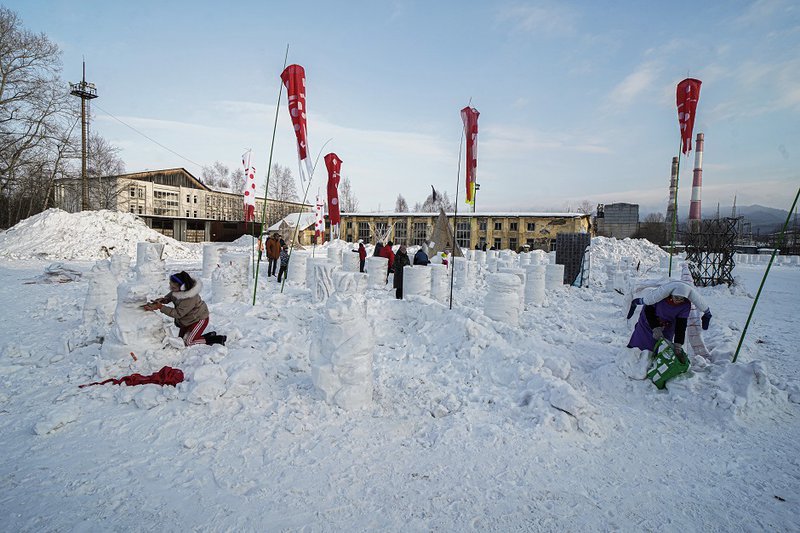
(613, 251)
(87, 235)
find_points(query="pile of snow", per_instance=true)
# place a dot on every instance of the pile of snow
(87, 235)
(615, 252)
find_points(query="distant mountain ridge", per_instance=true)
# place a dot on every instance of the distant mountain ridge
(765, 219)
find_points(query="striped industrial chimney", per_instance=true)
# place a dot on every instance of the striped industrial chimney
(697, 185)
(673, 188)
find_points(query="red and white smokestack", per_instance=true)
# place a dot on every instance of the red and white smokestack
(697, 185)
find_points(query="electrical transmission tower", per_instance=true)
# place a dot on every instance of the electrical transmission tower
(85, 91)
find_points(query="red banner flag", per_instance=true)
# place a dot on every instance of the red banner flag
(470, 117)
(687, 95)
(294, 78)
(249, 188)
(334, 166)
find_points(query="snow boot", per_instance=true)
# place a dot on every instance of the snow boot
(216, 339)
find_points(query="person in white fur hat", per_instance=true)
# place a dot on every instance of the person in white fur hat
(665, 313)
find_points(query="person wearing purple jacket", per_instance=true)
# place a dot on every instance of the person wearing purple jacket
(665, 313)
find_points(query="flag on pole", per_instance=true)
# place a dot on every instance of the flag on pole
(249, 188)
(687, 95)
(319, 223)
(334, 165)
(294, 79)
(470, 117)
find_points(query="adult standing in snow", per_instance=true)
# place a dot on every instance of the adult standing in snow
(362, 255)
(273, 253)
(284, 257)
(260, 247)
(665, 313)
(388, 253)
(400, 260)
(377, 251)
(189, 312)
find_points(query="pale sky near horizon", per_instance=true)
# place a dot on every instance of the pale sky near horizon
(577, 99)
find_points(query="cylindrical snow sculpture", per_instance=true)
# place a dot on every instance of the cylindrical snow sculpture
(554, 276)
(520, 273)
(230, 281)
(350, 262)
(132, 324)
(311, 279)
(297, 268)
(341, 355)
(440, 283)
(535, 284)
(461, 272)
(551, 258)
(524, 260)
(323, 280)
(502, 302)
(349, 282)
(491, 263)
(335, 256)
(101, 297)
(211, 258)
(480, 257)
(377, 268)
(416, 281)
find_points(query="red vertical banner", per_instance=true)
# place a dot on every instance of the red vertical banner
(469, 115)
(334, 165)
(294, 78)
(687, 95)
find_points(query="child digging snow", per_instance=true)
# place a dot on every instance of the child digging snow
(190, 311)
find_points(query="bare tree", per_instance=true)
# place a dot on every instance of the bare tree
(586, 207)
(401, 206)
(216, 174)
(653, 229)
(281, 184)
(348, 202)
(103, 162)
(436, 200)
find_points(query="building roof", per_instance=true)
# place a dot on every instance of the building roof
(306, 220)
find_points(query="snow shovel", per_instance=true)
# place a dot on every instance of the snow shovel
(669, 362)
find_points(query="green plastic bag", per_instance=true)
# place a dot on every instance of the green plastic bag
(666, 364)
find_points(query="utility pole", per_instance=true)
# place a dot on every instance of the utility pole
(85, 91)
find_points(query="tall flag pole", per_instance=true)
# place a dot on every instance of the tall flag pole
(469, 115)
(269, 168)
(455, 213)
(686, 95)
(334, 165)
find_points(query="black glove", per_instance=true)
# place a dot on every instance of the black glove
(706, 319)
(634, 303)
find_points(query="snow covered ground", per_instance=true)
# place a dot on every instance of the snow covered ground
(474, 425)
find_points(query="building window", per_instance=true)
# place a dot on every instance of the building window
(531, 226)
(133, 192)
(349, 225)
(512, 226)
(188, 198)
(195, 214)
(498, 226)
(363, 231)
(141, 192)
(140, 210)
(497, 244)
(463, 233)
(133, 209)
(512, 243)
(195, 198)
(420, 233)
(187, 214)
(482, 224)
(400, 232)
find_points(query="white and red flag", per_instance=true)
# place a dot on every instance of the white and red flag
(249, 188)
(334, 165)
(294, 79)
(470, 117)
(319, 223)
(687, 95)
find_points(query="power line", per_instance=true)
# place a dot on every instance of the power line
(148, 137)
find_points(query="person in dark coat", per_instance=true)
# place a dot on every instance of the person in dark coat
(388, 253)
(283, 271)
(400, 260)
(273, 253)
(421, 257)
(665, 313)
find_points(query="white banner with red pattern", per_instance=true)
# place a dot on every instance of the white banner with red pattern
(249, 188)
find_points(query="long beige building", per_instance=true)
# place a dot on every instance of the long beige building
(175, 203)
(496, 229)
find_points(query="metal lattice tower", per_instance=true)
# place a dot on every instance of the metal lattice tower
(85, 91)
(570, 252)
(709, 251)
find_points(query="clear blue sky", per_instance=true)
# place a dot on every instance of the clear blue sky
(577, 99)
